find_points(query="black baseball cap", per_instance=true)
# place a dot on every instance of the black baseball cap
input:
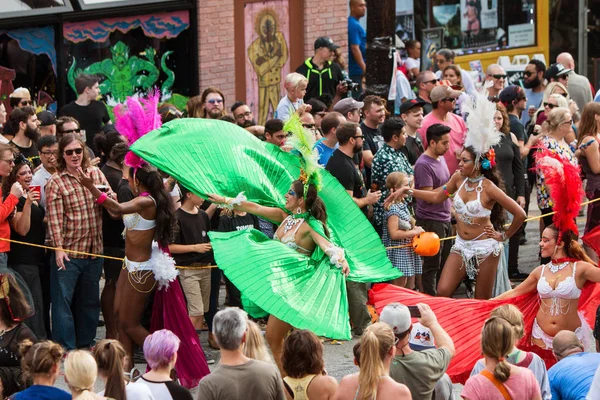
(556, 70)
(412, 103)
(325, 41)
(510, 94)
(46, 118)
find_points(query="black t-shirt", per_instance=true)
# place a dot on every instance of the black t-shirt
(413, 148)
(112, 229)
(124, 193)
(427, 107)
(346, 172)
(91, 118)
(22, 254)
(31, 153)
(193, 229)
(373, 142)
(238, 222)
(321, 81)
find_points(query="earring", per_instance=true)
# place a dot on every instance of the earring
(298, 210)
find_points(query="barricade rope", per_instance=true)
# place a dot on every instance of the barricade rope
(83, 253)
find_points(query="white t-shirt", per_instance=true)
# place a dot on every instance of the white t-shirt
(286, 108)
(412, 63)
(136, 391)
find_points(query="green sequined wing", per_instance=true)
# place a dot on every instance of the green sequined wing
(211, 156)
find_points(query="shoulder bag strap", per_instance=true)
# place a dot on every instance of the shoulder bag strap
(497, 383)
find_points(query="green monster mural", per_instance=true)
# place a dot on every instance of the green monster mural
(124, 74)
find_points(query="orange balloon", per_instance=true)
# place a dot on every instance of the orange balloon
(426, 244)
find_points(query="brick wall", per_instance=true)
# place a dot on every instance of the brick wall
(216, 38)
(215, 47)
(326, 18)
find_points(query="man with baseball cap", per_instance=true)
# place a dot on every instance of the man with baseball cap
(47, 123)
(411, 112)
(325, 78)
(558, 73)
(350, 109)
(443, 98)
(419, 370)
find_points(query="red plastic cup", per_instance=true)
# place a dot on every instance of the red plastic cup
(36, 188)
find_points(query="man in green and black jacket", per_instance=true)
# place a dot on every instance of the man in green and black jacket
(325, 78)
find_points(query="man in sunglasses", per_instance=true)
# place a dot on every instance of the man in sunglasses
(426, 81)
(26, 126)
(91, 114)
(495, 79)
(534, 83)
(443, 100)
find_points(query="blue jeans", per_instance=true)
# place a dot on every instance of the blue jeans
(81, 278)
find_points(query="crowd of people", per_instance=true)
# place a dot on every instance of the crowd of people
(452, 156)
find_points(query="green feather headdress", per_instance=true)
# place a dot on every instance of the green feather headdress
(303, 142)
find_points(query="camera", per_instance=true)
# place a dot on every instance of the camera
(348, 84)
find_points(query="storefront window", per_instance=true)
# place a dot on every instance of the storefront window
(132, 55)
(25, 8)
(472, 26)
(28, 59)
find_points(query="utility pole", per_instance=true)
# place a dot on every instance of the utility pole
(381, 31)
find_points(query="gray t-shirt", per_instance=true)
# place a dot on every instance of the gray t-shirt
(420, 370)
(253, 380)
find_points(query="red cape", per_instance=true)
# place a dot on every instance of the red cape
(463, 319)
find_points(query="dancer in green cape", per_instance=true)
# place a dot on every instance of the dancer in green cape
(299, 278)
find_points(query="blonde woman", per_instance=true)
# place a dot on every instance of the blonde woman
(520, 358)
(255, 346)
(377, 350)
(552, 88)
(500, 379)
(81, 372)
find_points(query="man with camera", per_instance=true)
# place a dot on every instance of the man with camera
(420, 370)
(325, 78)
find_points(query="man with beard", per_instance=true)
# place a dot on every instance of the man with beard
(26, 126)
(534, 88)
(244, 118)
(343, 168)
(91, 113)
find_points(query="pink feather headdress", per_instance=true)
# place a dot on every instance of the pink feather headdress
(134, 119)
(564, 184)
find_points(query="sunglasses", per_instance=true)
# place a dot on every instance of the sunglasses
(309, 126)
(499, 76)
(432, 81)
(72, 131)
(213, 101)
(25, 103)
(448, 99)
(527, 73)
(291, 193)
(550, 106)
(76, 151)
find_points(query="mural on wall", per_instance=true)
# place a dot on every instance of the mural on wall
(266, 35)
(28, 59)
(133, 55)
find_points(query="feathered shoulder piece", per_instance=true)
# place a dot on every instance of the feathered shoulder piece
(134, 119)
(566, 190)
(482, 134)
(303, 142)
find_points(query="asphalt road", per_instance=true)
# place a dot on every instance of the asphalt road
(339, 358)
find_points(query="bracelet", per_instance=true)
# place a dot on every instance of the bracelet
(102, 198)
(446, 192)
(230, 202)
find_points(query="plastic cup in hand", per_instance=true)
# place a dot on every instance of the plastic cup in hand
(36, 188)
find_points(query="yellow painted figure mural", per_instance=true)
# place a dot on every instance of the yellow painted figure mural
(268, 54)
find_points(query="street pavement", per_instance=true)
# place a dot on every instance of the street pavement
(339, 360)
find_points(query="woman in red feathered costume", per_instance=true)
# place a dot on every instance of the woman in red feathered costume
(561, 295)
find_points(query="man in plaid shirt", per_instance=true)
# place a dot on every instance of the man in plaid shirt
(74, 223)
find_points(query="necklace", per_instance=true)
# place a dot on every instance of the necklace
(554, 268)
(292, 220)
(473, 180)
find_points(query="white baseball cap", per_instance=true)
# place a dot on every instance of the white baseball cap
(397, 316)
(421, 338)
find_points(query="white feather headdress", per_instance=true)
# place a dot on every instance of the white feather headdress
(482, 134)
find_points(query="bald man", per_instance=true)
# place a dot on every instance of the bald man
(571, 377)
(495, 79)
(580, 89)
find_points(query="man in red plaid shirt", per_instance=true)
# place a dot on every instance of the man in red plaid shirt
(74, 223)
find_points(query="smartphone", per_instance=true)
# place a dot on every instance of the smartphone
(102, 188)
(414, 311)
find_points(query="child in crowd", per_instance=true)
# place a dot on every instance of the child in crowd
(295, 85)
(399, 231)
(191, 248)
(232, 220)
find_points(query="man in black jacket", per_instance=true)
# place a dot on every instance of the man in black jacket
(325, 78)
